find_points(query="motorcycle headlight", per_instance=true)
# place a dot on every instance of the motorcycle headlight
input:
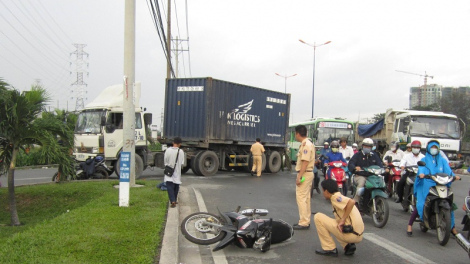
(378, 171)
(441, 180)
(396, 164)
(337, 164)
(415, 170)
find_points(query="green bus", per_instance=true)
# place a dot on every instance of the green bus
(321, 130)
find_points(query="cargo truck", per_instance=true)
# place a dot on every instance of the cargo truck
(406, 126)
(98, 131)
(219, 121)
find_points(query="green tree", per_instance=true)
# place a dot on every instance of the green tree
(458, 104)
(378, 117)
(21, 125)
(433, 107)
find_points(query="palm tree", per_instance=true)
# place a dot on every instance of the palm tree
(21, 125)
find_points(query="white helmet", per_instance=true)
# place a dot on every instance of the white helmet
(354, 145)
(367, 142)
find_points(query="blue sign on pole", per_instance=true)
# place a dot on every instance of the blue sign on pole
(125, 169)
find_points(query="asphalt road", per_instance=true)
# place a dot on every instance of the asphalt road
(276, 192)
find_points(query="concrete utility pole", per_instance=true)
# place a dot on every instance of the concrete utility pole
(168, 42)
(127, 173)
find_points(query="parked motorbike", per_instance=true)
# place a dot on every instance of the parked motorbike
(394, 176)
(373, 197)
(463, 241)
(92, 168)
(408, 198)
(242, 228)
(437, 207)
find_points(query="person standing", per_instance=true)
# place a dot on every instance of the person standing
(347, 227)
(304, 168)
(174, 157)
(257, 151)
(344, 149)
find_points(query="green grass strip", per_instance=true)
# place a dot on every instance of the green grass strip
(95, 230)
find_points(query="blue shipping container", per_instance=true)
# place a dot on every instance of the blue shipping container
(214, 111)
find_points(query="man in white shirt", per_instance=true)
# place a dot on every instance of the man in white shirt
(174, 158)
(344, 149)
(408, 160)
(395, 152)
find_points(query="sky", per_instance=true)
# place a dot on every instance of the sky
(246, 42)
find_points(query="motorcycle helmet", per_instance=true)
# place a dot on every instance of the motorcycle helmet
(394, 145)
(354, 145)
(99, 158)
(367, 142)
(334, 146)
(415, 144)
(437, 143)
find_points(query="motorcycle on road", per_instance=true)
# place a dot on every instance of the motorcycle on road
(92, 168)
(373, 199)
(243, 228)
(394, 176)
(408, 198)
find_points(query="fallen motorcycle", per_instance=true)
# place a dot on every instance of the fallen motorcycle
(242, 228)
(92, 168)
(463, 241)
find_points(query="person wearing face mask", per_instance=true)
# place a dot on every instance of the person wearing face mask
(364, 158)
(334, 155)
(408, 149)
(435, 163)
(408, 160)
(354, 147)
(323, 153)
(395, 152)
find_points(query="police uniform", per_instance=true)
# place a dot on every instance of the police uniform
(302, 191)
(327, 226)
(257, 151)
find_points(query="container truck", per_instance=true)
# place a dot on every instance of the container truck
(406, 126)
(219, 121)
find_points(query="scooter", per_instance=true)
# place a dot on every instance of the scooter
(92, 168)
(408, 198)
(242, 228)
(394, 176)
(437, 207)
(372, 196)
(337, 173)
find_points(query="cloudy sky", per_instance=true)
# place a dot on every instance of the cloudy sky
(246, 42)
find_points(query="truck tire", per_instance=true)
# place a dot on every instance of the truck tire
(274, 162)
(194, 164)
(139, 166)
(208, 163)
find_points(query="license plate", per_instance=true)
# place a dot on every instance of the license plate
(81, 156)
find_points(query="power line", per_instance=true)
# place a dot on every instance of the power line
(187, 35)
(71, 41)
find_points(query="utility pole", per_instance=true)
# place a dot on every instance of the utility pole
(177, 51)
(127, 159)
(79, 83)
(168, 42)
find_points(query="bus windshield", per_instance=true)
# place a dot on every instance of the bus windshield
(435, 127)
(330, 134)
(89, 122)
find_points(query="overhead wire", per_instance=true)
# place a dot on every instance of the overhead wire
(163, 36)
(178, 44)
(187, 35)
(71, 41)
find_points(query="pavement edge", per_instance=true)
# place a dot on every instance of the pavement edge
(169, 253)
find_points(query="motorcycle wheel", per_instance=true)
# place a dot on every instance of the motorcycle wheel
(195, 230)
(443, 226)
(380, 216)
(394, 190)
(423, 228)
(100, 173)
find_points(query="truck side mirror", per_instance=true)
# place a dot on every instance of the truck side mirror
(148, 118)
(103, 120)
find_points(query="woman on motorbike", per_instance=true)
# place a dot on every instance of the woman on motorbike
(434, 164)
(334, 155)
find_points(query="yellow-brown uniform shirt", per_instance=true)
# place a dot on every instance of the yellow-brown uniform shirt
(257, 149)
(306, 152)
(339, 201)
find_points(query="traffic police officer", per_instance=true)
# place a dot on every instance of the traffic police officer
(304, 168)
(257, 151)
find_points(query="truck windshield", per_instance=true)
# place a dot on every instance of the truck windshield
(435, 127)
(330, 134)
(89, 122)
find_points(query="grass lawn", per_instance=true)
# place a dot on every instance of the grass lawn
(81, 222)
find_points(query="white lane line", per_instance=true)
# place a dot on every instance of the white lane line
(218, 256)
(25, 179)
(397, 249)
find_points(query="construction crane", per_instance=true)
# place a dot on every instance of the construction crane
(425, 76)
(421, 96)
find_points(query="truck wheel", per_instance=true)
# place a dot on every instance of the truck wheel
(186, 169)
(139, 166)
(208, 163)
(274, 162)
(194, 164)
(263, 162)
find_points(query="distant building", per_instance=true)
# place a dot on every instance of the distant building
(462, 91)
(421, 96)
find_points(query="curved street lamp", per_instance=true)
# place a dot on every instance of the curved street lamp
(314, 48)
(285, 80)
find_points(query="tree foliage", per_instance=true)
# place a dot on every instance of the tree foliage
(458, 104)
(21, 126)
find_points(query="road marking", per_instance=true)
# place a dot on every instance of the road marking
(218, 256)
(25, 179)
(397, 249)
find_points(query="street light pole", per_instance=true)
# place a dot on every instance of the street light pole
(285, 80)
(313, 86)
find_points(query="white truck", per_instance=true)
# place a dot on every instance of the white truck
(98, 131)
(406, 126)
